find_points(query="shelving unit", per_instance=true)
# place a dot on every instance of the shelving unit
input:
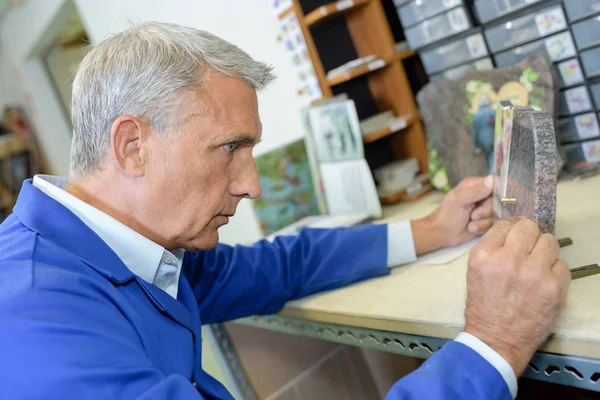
(387, 81)
(362, 70)
(383, 125)
(333, 10)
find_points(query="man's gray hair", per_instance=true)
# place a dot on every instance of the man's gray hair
(144, 71)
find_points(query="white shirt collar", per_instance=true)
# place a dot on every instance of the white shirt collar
(150, 261)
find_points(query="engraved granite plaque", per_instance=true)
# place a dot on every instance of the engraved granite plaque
(525, 172)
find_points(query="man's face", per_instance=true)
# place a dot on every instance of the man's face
(200, 173)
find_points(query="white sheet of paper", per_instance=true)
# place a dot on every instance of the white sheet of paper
(349, 188)
(446, 255)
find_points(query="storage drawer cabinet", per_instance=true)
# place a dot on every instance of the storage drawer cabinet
(525, 29)
(595, 90)
(590, 60)
(416, 11)
(454, 53)
(570, 72)
(574, 101)
(457, 72)
(556, 47)
(582, 153)
(580, 127)
(578, 9)
(586, 33)
(489, 10)
(437, 28)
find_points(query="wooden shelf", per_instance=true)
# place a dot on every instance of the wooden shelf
(285, 13)
(361, 70)
(394, 126)
(404, 197)
(332, 10)
(388, 86)
(404, 54)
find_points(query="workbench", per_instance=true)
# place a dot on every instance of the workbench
(418, 308)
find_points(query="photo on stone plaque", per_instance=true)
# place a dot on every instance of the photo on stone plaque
(502, 138)
(459, 115)
(525, 171)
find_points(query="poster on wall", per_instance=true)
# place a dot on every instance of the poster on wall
(287, 188)
(292, 38)
(279, 6)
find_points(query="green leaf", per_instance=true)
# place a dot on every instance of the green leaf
(533, 77)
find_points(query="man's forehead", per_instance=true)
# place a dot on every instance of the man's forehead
(236, 128)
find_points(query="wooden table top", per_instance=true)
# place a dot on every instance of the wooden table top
(429, 300)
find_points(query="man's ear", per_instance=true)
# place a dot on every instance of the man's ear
(128, 137)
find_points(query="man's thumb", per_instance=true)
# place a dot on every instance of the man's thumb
(472, 190)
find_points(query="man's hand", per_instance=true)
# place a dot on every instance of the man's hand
(515, 287)
(464, 213)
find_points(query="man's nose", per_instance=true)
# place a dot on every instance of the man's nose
(246, 182)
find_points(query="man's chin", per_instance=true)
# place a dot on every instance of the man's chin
(206, 242)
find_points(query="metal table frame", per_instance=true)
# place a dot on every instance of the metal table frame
(566, 370)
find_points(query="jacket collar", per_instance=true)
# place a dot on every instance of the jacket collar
(58, 224)
(44, 215)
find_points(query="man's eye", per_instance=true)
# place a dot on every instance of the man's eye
(230, 147)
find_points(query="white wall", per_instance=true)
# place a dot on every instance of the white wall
(250, 24)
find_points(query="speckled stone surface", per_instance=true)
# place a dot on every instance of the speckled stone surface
(444, 107)
(525, 165)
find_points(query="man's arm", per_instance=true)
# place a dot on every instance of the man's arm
(233, 282)
(516, 285)
(65, 339)
(455, 372)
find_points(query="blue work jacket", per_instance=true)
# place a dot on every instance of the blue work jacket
(76, 323)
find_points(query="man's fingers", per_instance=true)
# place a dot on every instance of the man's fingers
(545, 251)
(496, 236)
(523, 237)
(480, 227)
(472, 190)
(483, 210)
(562, 273)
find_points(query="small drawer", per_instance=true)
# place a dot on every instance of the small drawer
(574, 101)
(578, 9)
(489, 10)
(399, 3)
(525, 29)
(570, 72)
(582, 153)
(454, 53)
(586, 33)
(418, 10)
(557, 47)
(595, 90)
(436, 28)
(590, 60)
(457, 72)
(584, 126)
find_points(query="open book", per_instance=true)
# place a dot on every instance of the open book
(342, 177)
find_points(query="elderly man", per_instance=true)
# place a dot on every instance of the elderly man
(107, 277)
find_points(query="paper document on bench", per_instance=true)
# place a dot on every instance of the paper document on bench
(349, 188)
(446, 255)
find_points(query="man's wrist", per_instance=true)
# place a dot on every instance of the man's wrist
(426, 235)
(517, 358)
(492, 357)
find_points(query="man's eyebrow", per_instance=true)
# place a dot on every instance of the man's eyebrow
(243, 139)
